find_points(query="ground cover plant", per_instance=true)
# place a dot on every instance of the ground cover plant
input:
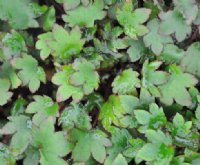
(91, 82)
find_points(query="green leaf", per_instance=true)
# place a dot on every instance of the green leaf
(175, 89)
(132, 20)
(154, 119)
(94, 11)
(30, 73)
(183, 134)
(174, 23)
(60, 43)
(18, 126)
(91, 143)
(120, 140)
(13, 45)
(52, 145)
(6, 157)
(136, 50)
(84, 75)
(16, 17)
(43, 107)
(126, 82)
(32, 156)
(188, 8)
(172, 54)
(4, 87)
(152, 78)
(69, 4)
(159, 151)
(190, 61)
(120, 160)
(66, 90)
(75, 116)
(9, 73)
(48, 19)
(115, 109)
(135, 146)
(154, 39)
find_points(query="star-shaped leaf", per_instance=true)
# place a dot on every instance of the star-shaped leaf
(191, 61)
(94, 11)
(30, 73)
(126, 82)
(176, 87)
(42, 108)
(154, 39)
(173, 22)
(132, 20)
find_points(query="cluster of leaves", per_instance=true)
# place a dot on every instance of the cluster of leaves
(86, 82)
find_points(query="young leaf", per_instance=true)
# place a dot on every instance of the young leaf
(174, 23)
(43, 107)
(90, 143)
(175, 87)
(132, 20)
(126, 82)
(154, 39)
(18, 126)
(94, 11)
(6, 95)
(30, 73)
(190, 62)
(75, 116)
(52, 145)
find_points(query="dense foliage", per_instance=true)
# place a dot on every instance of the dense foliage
(90, 82)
